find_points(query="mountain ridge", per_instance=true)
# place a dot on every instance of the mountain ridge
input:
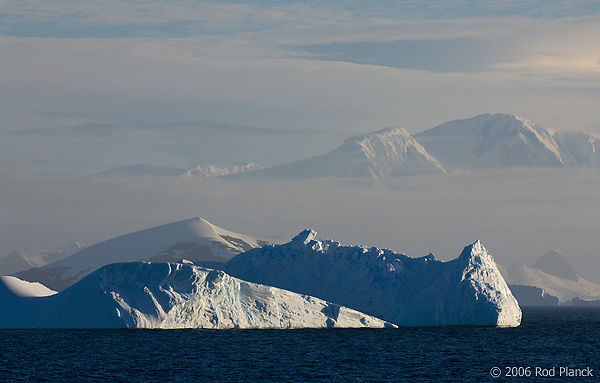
(192, 239)
(506, 140)
(386, 152)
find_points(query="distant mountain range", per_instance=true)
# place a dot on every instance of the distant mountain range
(550, 281)
(387, 152)
(482, 142)
(20, 260)
(205, 171)
(505, 140)
(193, 239)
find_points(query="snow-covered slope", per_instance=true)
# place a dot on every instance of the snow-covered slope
(13, 285)
(503, 140)
(387, 152)
(173, 295)
(564, 289)
(205, 171)
(193, 239)
(402, 290)
(20, 259)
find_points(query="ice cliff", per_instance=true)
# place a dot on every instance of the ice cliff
(406, 291)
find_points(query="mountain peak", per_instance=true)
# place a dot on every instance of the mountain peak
(493, 141)
(386, 152)
(555, 263)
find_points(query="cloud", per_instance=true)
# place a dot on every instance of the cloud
(91, 129)
(260, 75)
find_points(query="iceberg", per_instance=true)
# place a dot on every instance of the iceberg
(468, 290)
(173, 295)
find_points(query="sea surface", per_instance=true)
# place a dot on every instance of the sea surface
(549, 341)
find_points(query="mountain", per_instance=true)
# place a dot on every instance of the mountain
(173, 295)
(20, 259)
(387, 152)
(505, 140)
(553, 274)
(399, 289)
(193, 239)
(555, 263)
(205, 171)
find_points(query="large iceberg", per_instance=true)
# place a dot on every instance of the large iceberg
(406, 291)
(172, 295)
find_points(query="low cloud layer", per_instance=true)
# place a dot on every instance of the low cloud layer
(517, 214)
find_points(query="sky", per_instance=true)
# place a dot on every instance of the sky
(87, 86)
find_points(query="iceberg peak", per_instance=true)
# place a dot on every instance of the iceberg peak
(305, 237)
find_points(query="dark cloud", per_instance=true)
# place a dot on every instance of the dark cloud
(204, 128)
(448, 55)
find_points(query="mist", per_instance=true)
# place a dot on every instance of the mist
(518, 214)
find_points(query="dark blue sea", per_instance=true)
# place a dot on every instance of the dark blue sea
(550, 341)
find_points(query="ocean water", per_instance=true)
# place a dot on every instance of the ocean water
(549, 341)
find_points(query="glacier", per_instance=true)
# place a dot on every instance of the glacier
(468, 290)
(173, 295)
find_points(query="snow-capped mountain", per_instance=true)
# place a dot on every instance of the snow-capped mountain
(553, 274)
(402, 290)
(193, 239)
(504, 140)
(387, 152)
(173, 295)
(20, 260)
(204, 171)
